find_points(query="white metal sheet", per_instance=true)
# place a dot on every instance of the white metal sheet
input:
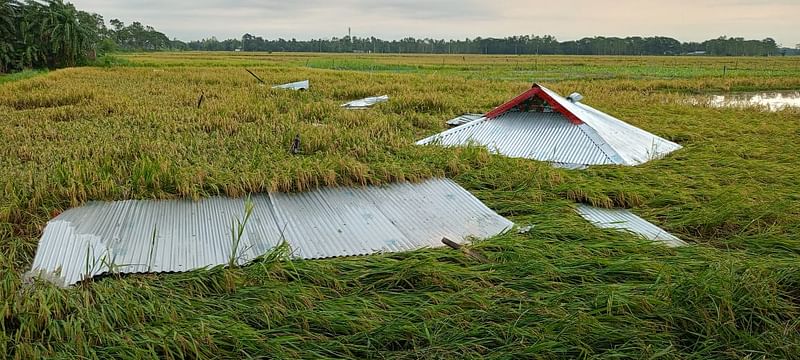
(463, 119)
(297, 85)
(625, 220)
(544, 136)
(366, 102)
(135, 236)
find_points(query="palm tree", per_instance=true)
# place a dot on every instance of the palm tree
(63, 31)
(29, 36)
(8, 32)
(37, 33)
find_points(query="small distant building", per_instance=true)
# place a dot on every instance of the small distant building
(237, 49)
(699, 52)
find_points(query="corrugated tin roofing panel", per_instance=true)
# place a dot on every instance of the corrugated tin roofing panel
(433, 210)
(463, 119)
(326, 222)
(335, 222)
(365, 102)
(298, 85)
(633, 145)
(544, 136)
(625, 220)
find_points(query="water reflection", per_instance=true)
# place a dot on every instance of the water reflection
(774, 101)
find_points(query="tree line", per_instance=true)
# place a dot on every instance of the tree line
(52, 33)
(526, 44)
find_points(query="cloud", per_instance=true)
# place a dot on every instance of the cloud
(688, 20)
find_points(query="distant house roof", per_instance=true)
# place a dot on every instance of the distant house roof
(624, 220)
(137, 236)
(539, 124)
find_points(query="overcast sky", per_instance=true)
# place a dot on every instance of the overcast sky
(685, 20)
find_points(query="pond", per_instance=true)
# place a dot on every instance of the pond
(774, 101)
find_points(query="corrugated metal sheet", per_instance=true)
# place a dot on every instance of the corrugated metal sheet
(463, 119)
(625, 220)
(633, 145)
(298, 85)
(596, 139)
(327, 222)
(365, 102)
(541, 136)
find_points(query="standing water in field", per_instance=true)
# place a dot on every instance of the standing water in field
(774, 101)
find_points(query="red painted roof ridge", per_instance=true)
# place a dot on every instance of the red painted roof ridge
(534, 91)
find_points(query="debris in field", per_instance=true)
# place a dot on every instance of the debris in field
(541, 125)
(138, 236)
(463, 119)
(366, 103)
(626, 221)
(464, 250)
(524, 229)
(200, 100)
(296, 144)
(255, 76)
(298, 85)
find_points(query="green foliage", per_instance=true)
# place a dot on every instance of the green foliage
(54, 34)
(517, 45)
(110, 61)
(26, 74)
(237, 232)
(136, 37)
(46, 34)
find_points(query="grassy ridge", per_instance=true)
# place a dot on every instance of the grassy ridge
(565, 289)
(490, 67)
(4, 78)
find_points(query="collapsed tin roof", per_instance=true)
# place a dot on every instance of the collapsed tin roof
(137, 236)
(541, 125)
(625, 220)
